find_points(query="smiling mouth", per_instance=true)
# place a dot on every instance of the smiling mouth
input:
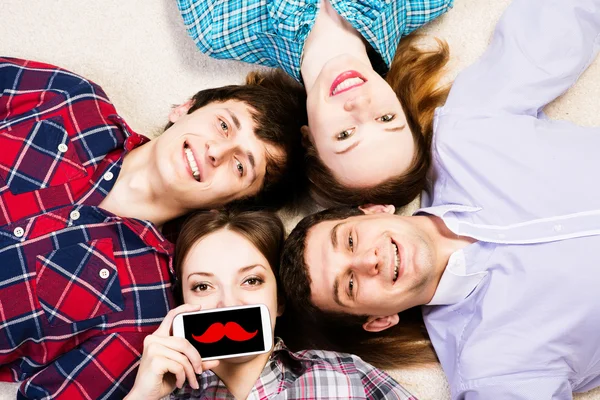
(189, 155)
(346, 81)
(396, 262)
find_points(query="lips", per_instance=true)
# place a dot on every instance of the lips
(345, 81)
(192, 163)
(397, 263)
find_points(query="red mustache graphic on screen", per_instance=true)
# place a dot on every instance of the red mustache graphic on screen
(231, 330)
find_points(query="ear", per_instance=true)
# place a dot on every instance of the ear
(377, 208)
(306, 136)
(378, 324)
(180, 110)
(280, 309)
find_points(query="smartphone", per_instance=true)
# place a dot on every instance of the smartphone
(226, 332)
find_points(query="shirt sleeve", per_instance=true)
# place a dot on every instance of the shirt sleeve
(378, 384)
(550, 388)
(103, 367)
(538, 50)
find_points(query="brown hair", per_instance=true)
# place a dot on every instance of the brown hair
(263, 229)
(405, 344)
(414, 76)
(278, 107)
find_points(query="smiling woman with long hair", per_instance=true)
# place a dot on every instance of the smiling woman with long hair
(225, 259)
(370, 95)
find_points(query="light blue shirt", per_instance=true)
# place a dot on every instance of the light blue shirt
(273, 32)
(517, 314)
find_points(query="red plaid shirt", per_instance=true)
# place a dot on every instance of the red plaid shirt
(80, 288)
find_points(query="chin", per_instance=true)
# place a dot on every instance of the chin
(239, 360)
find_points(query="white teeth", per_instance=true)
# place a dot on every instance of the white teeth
(193, 166)
(396, 262)
(347, 83)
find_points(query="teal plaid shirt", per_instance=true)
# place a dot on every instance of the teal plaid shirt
(273, 32)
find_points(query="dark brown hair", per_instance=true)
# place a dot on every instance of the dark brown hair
(278, 107)
(414, 76)
(403, 345)
(263, 229)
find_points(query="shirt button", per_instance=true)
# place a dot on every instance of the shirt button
(557, 228)
(108, 176)
(62, 148)
(19, 232)
(75, 215)
(104, 273)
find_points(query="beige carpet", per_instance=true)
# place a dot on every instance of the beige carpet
(138, 51)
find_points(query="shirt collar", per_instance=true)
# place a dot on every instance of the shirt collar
(456, 284)
(132, 139)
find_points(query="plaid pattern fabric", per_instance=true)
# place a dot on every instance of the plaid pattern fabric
(273, 32)
(308, 374)
(60, 135)
(80, 288)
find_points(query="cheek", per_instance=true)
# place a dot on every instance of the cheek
(207, 302)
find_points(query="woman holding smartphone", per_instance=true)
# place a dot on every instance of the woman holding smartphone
(370, 100)
(226, 259)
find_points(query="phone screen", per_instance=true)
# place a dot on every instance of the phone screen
(225, 332)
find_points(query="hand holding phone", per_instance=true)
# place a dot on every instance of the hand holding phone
(227, 332)
(167, 361)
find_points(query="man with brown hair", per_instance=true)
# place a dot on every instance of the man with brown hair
(85, 271)
(503, 253)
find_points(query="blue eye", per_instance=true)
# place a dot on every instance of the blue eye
(224, 126)
(240, 167)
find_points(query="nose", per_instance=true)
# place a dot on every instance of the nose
(358, 103)
(227, 298)
(218, 151)
(367, 262)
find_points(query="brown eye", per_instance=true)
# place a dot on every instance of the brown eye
(254, 281)
(201, 287)
(387, 118)
(343, 135)
(350, 242)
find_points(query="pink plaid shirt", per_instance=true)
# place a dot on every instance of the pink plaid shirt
(308, 374)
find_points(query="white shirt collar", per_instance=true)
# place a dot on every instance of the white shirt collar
(455, 284)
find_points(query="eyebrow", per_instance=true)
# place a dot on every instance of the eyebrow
(334, 239)
(347, 149)
(235, 119)
(252, 161)
(249, 267)
(336, 281)
(336, 292)
(396, 128)
(207, 274)
(241, 271)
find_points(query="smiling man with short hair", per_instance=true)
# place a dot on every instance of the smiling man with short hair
(503, 253)
(85, 273)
